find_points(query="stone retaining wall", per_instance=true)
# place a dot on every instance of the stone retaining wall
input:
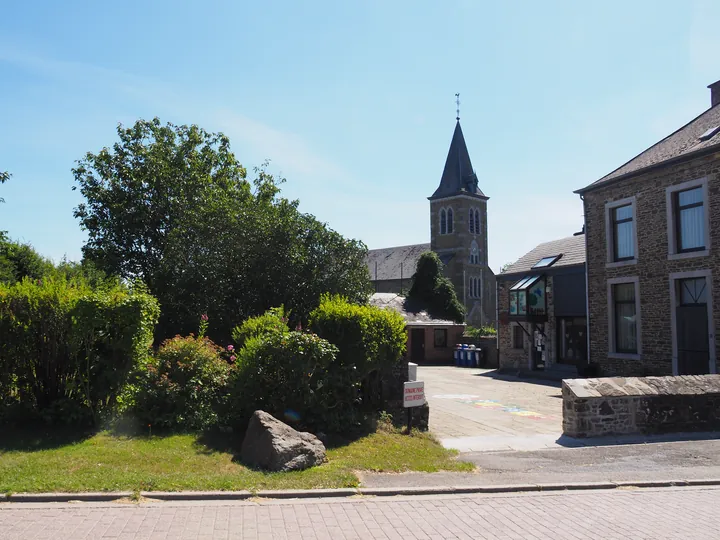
(618, 406)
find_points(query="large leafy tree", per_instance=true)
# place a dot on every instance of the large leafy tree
(4, 177)
(434, 292)
(172, 206)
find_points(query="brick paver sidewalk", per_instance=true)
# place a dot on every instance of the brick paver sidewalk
(687, 513)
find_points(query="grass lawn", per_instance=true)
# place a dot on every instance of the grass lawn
(38, 462)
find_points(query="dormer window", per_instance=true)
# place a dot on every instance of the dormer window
(547, 261)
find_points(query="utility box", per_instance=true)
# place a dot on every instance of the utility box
(412, 371)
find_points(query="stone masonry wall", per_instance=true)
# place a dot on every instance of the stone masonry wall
(511, 358)
(652, 267)
(481, 311)
(618, 406)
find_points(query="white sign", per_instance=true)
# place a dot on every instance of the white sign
(414, 394)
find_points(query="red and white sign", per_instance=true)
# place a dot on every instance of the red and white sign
(414, 394)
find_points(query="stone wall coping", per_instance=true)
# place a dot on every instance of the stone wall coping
(642, 386)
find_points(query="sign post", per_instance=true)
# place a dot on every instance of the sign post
(413, 396)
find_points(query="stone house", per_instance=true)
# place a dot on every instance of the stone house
(542, 310)
(430, 340)
(458, 234)
(653, 233)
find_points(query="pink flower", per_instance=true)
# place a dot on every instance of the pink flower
(232, 358)
(204, 317)
(231, 348)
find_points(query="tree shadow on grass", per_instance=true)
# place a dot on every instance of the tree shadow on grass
(34, 438)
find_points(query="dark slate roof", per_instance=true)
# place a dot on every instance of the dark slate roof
(572, 249)
(412, 316)
(389, 259)
(683, 143)
(458, 176)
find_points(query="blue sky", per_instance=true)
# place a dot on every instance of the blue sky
(353, 102)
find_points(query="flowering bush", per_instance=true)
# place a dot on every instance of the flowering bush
(183, 387)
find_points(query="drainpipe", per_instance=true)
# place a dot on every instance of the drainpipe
(587, 284)
(497, 321)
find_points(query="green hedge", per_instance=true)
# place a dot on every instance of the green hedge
(367, 337)
(67, 349)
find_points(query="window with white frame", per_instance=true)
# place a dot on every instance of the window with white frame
(474, 253)
(624, 316)
(688, 219)
(621, 231)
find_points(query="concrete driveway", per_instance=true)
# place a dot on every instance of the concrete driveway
(476, 410)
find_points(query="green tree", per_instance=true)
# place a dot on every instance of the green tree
(171, 205)
(433, 292)
(18, 261)
(4, 177)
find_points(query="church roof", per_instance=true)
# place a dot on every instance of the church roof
(458, 177)
(412, 315)
(389, 261)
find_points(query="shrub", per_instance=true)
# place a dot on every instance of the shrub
(67, 349)
(368, 338)
(293, 376)
(474, 332)
(183, 386)
(272, 321)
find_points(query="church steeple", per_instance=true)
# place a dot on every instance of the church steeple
(458, 177)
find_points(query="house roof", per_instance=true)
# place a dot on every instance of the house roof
(458, 177)
(572, 249)
(412, 317)
(389, 261)
(683, 143)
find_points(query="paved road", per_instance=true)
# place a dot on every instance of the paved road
(687, 513)
(474, 410)
(662, 461)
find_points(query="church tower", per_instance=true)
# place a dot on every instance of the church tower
(458, 233)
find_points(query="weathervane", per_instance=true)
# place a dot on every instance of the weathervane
(457, 102)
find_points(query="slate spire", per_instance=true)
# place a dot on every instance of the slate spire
(458, 177)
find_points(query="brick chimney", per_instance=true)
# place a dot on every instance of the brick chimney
(714, 93)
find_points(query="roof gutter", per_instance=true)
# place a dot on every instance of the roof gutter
(691, 155)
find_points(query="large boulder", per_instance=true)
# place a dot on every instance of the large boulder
(273, 445)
